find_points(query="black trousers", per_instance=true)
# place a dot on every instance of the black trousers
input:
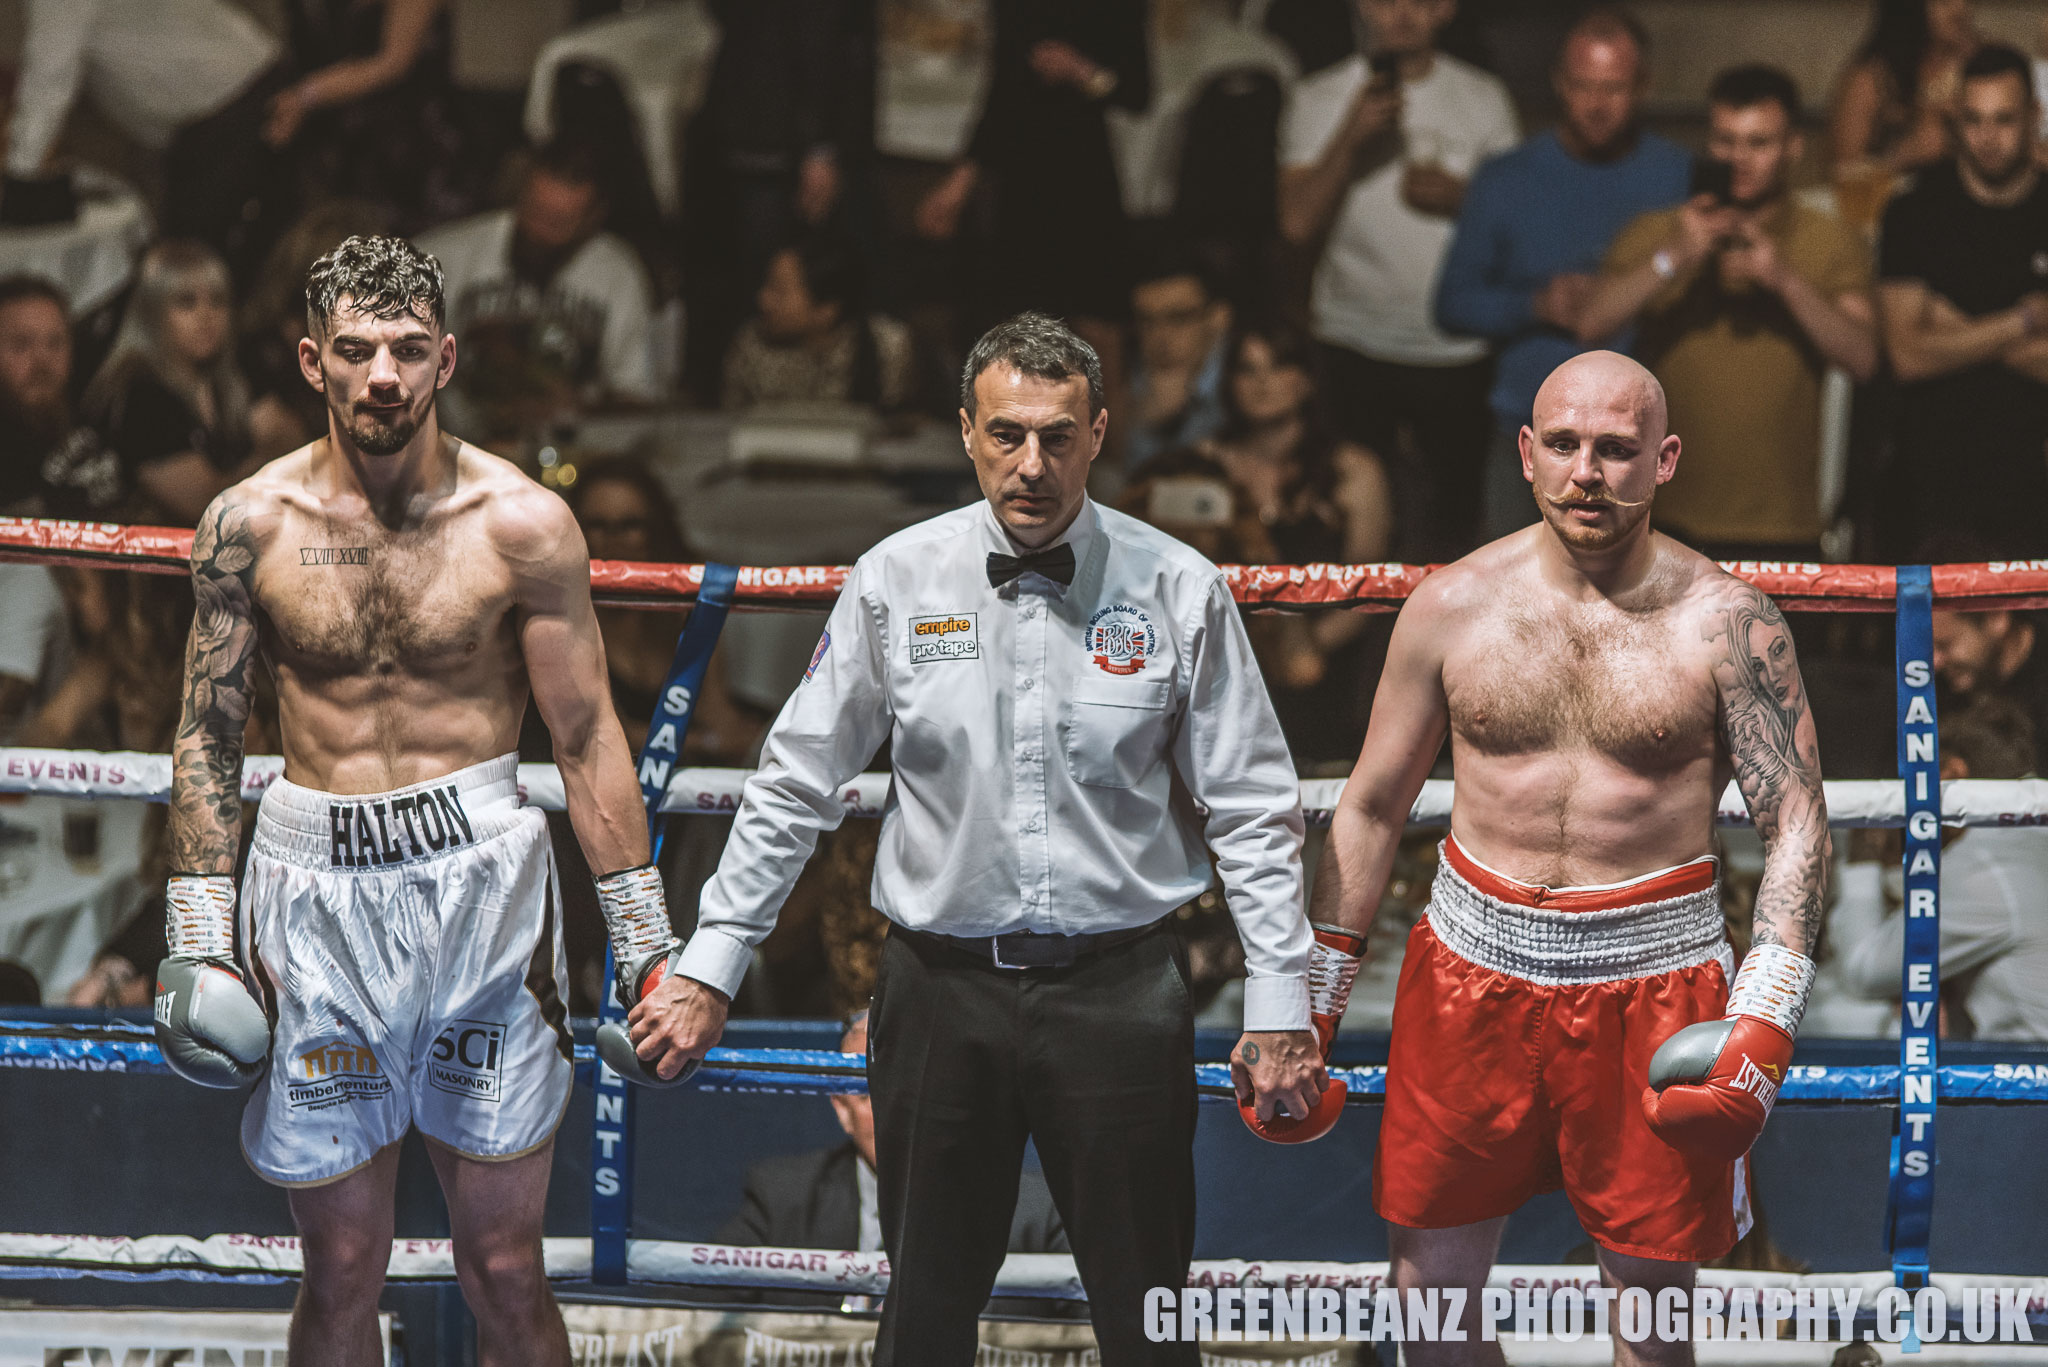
(1431, 426)
(1095, 1064)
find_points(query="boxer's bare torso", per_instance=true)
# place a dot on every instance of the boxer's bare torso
(405, 635)
(1584, 729)
(1599, 684)
(395, 647)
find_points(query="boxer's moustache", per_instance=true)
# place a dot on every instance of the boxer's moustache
(1580, 499)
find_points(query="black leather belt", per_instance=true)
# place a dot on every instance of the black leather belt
(1022, 949)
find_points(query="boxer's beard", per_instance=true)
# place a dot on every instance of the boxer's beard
(385, 438)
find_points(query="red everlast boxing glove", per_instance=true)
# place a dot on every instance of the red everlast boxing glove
(1712, 1084)
(1333, 960)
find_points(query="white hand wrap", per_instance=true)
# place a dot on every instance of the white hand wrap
(636, 913)
(1330, 973)
(199, 916)
(1772, 985)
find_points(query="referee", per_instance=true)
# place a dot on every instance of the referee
(1073, 711)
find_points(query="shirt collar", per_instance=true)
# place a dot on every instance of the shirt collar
(1080, 534)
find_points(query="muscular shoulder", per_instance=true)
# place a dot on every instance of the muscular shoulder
(1471, 587)
(530, 526)
(243, 519)
(1736, 620)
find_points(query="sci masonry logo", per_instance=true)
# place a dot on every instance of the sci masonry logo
(465, 1059)
(1567, 1314)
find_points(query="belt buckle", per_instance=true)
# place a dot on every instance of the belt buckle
(995, 952)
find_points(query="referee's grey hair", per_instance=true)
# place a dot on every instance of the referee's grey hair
(386, 277)
(1039, 346)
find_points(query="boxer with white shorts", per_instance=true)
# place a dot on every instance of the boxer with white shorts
(1565, 1016)
(421, 937)
(400, 960)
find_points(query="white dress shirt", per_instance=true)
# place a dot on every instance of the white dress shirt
(152, 66)
(597, 313)
(1061, 754)
(1375, 287)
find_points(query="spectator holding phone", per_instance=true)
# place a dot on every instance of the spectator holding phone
(1742, 298)
(1375, 155)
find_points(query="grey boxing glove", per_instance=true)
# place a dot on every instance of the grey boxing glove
(211, 1031)
(644, 953)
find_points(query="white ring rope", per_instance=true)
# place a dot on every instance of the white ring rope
(716, 792)
(1037, 1275)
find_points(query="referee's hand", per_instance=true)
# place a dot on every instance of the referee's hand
(1283, 1069)
(679, 1020)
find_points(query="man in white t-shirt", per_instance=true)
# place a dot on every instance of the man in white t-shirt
(551, 312)
(1375, 155)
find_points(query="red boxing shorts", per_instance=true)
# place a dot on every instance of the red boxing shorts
(1523, 1028)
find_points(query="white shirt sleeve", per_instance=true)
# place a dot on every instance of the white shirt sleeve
(627, 357)
(1315, 108)
(1500, 130)
(52, 66)
(1233, 758)
(1978, 900)
(31, 618)
(830, 727)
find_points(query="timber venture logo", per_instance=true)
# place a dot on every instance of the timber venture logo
(334, 1074)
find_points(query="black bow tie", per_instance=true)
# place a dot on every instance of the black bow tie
(1054, 562)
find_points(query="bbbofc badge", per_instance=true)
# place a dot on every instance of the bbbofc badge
(1120, 639)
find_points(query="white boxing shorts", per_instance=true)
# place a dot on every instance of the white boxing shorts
(408, 947)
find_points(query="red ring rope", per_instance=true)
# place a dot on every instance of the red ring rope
(2014, 584)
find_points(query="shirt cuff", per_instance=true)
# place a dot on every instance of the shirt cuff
(719, 960)
(1274, 1001)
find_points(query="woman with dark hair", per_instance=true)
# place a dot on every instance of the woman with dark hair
(170, 401)
(812, 337)
(1320, 498)
(626, 514)
(1891, 110)
(1296, 494)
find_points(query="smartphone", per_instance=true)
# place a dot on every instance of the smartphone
(1711, 177)
(1384, 66)
(1189, 501)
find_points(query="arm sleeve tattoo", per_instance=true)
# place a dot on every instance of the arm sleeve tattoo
(1767, 726)
(206, 755)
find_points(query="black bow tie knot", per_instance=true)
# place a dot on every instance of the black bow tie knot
(1054, 562)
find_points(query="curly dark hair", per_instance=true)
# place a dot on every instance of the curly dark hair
(385, 276)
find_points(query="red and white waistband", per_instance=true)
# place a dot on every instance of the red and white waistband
(1658, 923)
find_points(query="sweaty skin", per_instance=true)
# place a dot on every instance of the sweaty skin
(406, 603)
(1598, 684)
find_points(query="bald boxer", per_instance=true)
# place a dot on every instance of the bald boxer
(398, 916)
(1598, 683)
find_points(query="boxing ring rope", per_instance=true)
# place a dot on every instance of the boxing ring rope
(1852, 803)
(1797, 587)
(123, 1047)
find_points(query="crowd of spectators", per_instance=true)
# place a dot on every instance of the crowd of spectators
(1325, 266)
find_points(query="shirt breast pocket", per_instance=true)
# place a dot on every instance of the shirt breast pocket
(1116, 730)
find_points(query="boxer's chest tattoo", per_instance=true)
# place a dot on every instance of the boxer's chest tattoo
(1621, 686)
(390, 602)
